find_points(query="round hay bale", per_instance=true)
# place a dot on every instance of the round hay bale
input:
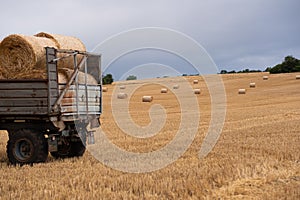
(298, 77)
(163, 90)
(242, 91)
(265, 77)
(252, 85)
(195, 81)
(197, 91)
(68, 43)
(122, 87)
(104, 89)
(122, 95)
(23, 54)
(65, 74)
(147, 98)
(176, 87)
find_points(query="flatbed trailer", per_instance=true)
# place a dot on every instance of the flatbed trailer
(44, 115)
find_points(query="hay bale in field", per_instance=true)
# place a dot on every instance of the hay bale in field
(20, 54)
(197, 91)
(298, 77)
(265, 77)
(252, 85)
(104, 89)
(242, 91)
(195, 81)
(147, 98)
(68, 43)
(122, 87)
(163, 90)
(176, 87)
(121, 95)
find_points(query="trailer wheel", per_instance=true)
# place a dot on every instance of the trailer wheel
(26, 147)
(73, 149)
(78, 149)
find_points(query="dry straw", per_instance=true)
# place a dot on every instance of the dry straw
(265, 77)
(122, 87)
(195, 81)
(252, 85)
(176, 87)
(242, 91)
(104, 89)
(298, 77)
(20, 54)
(163, 90)
(122, 95)
(197, 91)
(65, 42)
(65, 74)
(147, 98)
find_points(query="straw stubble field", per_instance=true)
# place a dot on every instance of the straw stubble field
(256, 157)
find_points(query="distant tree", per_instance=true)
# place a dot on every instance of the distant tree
(131, 77)
(223, 71)
(290, 64)
(107, 79)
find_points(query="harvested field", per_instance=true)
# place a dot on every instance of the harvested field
(257, 155)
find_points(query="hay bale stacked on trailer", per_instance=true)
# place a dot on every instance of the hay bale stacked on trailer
(23, 57)
(20, 54)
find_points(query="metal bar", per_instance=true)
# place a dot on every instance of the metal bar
(63, 57)
(100, 82)
(68, 84)
(77, 52)
(76, 84)
(86, 88)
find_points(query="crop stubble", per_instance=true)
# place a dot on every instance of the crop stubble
(257, 155)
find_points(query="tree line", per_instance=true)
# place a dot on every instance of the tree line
(288, 65)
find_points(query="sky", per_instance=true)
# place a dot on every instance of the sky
(237, 34)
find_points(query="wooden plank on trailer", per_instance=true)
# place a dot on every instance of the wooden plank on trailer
(81, 93)
(24, 93)
(70, 109)
(23, 110)
(23, 85)
(23, 102)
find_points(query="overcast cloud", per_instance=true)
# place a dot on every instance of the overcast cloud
(237, 34)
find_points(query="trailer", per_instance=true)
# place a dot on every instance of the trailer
(44, 115)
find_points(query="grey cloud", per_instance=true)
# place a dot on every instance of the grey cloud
(236, 33)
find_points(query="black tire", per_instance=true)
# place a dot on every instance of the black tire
(26, 147)
(73, 149)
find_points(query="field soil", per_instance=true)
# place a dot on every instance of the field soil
(256, 157)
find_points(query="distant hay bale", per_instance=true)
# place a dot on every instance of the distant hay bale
(163, 90)
(68, 43)
(122, 95)
(20, 54)
(242, 91)
(252, 85)
(104, 89)
(147, 98)
(265, 77)
(122, 87)
(197, 91)
(298, 77)
(195, 81)
(176, 87)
